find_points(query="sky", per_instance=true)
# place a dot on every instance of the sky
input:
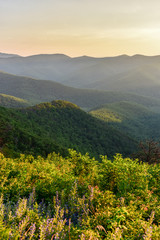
(96, 28)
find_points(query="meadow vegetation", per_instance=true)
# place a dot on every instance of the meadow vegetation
(77, 197)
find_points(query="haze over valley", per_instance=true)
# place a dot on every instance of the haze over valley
(122, 91)
(136, 74)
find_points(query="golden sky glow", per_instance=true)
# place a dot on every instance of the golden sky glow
(80, 27)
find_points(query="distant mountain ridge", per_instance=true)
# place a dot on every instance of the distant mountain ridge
(8, 55)
(138, 74)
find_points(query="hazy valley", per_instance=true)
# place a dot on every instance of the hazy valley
(123, 110)
(137, 74)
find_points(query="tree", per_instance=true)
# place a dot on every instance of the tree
(149, 152)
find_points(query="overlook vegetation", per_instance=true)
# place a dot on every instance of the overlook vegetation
(78, 198)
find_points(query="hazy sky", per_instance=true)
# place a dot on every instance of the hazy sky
(80, 27)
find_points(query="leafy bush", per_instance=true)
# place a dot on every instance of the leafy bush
(78, 198)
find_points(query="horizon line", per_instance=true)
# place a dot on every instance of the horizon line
(120, 55)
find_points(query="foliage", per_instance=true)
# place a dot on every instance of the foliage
(77, 197)
(149, 151)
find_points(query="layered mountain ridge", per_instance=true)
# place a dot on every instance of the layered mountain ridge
(122, 92)
(35, 91)
(138, 74)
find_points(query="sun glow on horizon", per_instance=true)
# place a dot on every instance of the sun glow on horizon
(94, 28)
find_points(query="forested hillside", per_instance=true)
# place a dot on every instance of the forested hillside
(56, 126)
(136, 120)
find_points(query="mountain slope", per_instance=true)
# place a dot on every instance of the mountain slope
(12, 102)
(133, 119)
(36, 91)
(57, 126)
